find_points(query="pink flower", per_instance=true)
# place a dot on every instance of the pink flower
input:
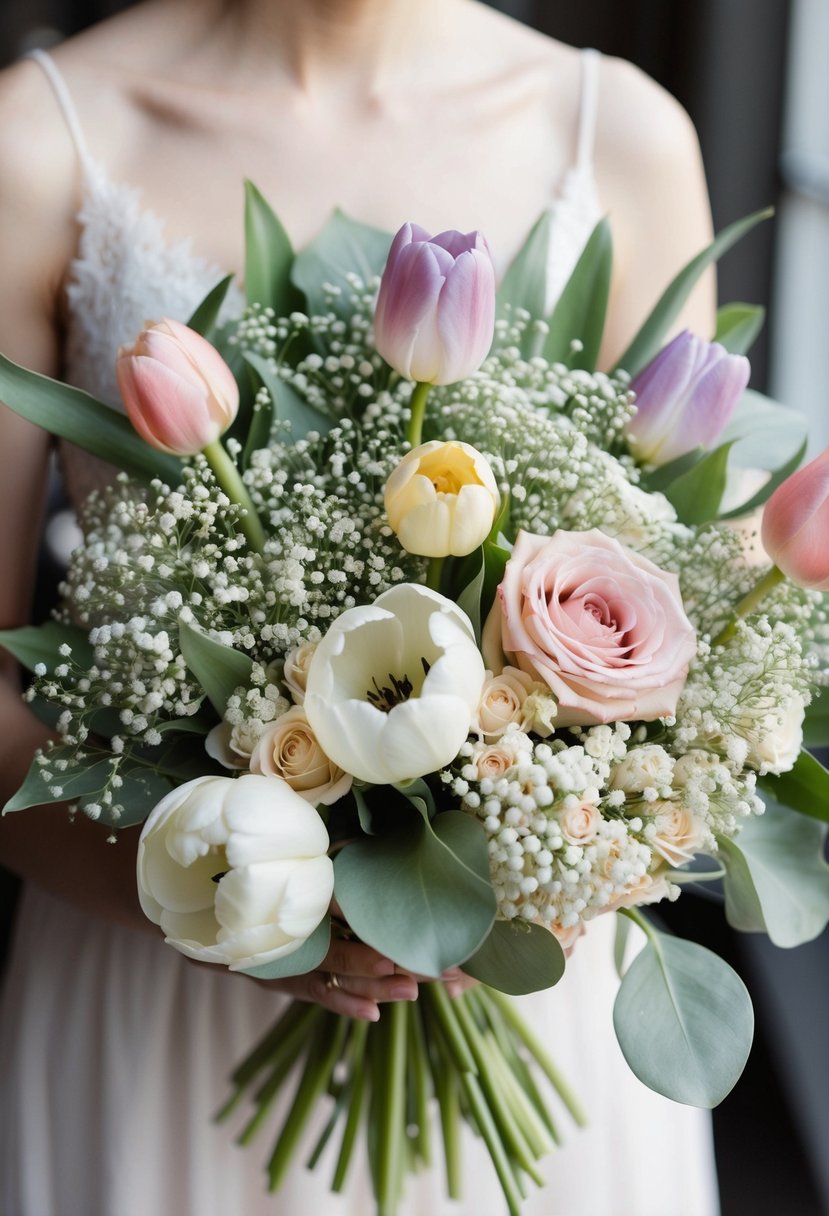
(795, 531)
(435, 313)
(178, 392)
(685, 398)
(601, 625)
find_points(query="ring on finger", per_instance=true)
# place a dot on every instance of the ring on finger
(332, 983)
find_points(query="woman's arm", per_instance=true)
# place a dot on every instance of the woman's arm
(652, 185)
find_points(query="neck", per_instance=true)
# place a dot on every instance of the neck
(361, 46)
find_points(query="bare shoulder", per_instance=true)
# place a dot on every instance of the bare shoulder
(639, 122)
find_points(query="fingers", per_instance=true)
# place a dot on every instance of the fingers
(347, 957)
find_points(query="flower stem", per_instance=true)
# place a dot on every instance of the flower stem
(391, 1131)
(749, 602)
(227, 475)
(418, 408)
(434, 572)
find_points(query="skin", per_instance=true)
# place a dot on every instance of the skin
(185, 98)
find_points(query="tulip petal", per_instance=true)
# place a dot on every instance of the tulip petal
(466, 316)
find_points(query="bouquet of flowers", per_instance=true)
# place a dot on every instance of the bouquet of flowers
(458, 637)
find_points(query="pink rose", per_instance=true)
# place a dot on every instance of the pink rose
(601, 625)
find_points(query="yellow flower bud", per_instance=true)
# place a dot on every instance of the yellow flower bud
(442, 499)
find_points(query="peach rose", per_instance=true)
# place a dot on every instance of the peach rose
(600, 625)
(579, 823)
(493, 761)
(679, 835)
(288, 748)
(502, 701)
(295, 672)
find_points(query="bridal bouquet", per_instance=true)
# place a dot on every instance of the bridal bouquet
(453, 644)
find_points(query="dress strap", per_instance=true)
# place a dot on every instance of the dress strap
(66, 104)
(588, 108)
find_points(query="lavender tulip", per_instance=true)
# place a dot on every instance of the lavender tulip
(685, 398)
(435, 313)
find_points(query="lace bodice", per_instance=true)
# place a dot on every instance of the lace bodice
(126, 271)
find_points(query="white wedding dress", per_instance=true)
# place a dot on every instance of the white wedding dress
(115, 1050)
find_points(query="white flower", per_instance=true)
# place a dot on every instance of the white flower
(644, 767)
(393, 686)
(774, 740)
(235, 871)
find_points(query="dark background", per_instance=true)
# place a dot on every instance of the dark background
(726, 61)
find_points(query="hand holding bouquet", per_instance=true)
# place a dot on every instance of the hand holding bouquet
(452, 628)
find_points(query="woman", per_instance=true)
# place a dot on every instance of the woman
(440, 111)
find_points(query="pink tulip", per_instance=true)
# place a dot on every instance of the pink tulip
(179, 393)
(435, 314)
(795, 531)
(685, 398)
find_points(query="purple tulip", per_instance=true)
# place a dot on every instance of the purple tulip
(685, 398)
(435, 313)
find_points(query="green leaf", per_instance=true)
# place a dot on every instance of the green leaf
(342, 249)
(776, 877)
(35, 644)
(650, 337)
(268, 256)
(620, 942)
(697, 494)
(288, 405)
(816, 723)
(684, 1021)
(76, 782)
(141, 791)
(204, 319)
(657, 480)
(525, 283)
(73, 414)
(582, 306)
(517, 958)
(469, 600)
(306, 958)
(411, 895)
(219, 669)
(804, 788)
(766, 491)
(738, 326)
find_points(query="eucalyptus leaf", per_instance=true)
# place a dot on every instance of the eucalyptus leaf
(268, 257)
(219, 669)
(72, 414)
(77, 781)
(646, 345)
(525, 283)
(517, 958)
(684, 1021)
(409, 896)
(620, 942)
(776, 877)
(816, 722)
(582, 306)
(35, 644)
(697, 494)
(804, 788)
(764, 434)
(306, 958)
(205, 317)
(141, 791)
(343, 248)
(288, 405)
(738, 325)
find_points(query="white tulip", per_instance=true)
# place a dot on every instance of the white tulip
(393, 687)
(235, 870)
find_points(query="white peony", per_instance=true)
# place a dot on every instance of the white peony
(393, 687)
(235, 870)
